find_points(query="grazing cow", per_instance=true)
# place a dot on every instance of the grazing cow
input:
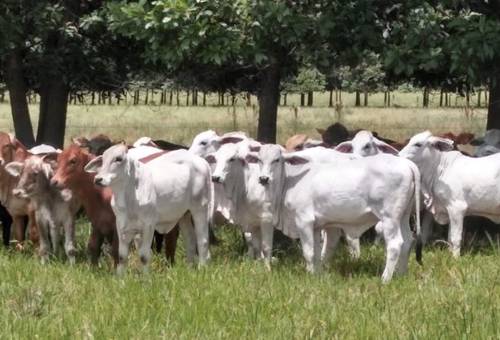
(455, 185)
(334, 134)
(169, 189)
(19, 209)
(95, 200)
(365, 144)
(351, 196)
(55, 209)
(96, 145)
(249, 196)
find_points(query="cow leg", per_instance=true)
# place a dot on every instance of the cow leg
(317, 248)
(247, 236)
(267, 233)
(201, 225)
(402, 265)
(19, 231)
(125, 239)
(330, 242)
(306, 233)
(69, 240)
(6, 220)
(353, 246)
(189, 236)
(427, 226)
(170, 239)
(55, 238)
(94, 245)
(44, 249)
(158, 241)
(145, 247)
(31, 223)
(393, 243)
(256, 243)
(115, 244)
(456, 230)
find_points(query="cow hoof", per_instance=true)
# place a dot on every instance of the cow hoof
(19, 246)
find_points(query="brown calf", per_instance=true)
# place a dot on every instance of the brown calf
(19, 208)
(95, 200)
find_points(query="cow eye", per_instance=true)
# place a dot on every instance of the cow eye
(231, 159)
(72, 161)
(418, 145)
(276, 160)
(204, 142)
(118, 159)
(367, 146)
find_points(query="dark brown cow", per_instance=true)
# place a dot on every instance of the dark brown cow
(19, 209)
(335, 134)
(96, 145)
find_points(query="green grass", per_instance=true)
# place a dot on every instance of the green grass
(235, 297)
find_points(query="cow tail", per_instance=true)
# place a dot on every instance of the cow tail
(418, 247)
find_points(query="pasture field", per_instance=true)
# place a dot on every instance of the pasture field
(235, 297)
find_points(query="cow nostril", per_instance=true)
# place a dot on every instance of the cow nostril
(263, 179)
(216, 179)
(98, 180)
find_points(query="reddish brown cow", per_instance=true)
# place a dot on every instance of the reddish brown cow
(95, 200)
(12, 150)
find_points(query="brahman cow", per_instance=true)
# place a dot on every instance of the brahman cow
(455, 185)
(169, 189)
(351, 196)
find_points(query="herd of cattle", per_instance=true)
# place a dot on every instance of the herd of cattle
(315, 190)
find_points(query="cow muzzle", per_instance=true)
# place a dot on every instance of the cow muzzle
(99, 181)
(20, 193)
(264, 180)
(217, 179)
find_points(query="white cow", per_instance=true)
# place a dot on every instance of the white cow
(455, 185)
(351, 196)
(365, 144)
(55, 209)
(166, 190)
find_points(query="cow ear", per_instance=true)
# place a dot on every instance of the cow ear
(441, 144)
(14, 168)
(210, 159)
(51, 158)
(250, 158)
(230, 140)
(385, 148)
(295, 160)
(345, 147)
(94, 165)
(80, 141)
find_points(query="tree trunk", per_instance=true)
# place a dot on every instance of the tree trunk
(53, 107)
(249, 99)
(268, 96)
(479, 94)
(285, 99)
(204, 98)
(177, 98)
(187, 98)
(17, 93)
(446, 99)
(310, 98)
(441, 98)
(358, 99)
(366, 98)
(330, 100)
(493, 121)
(171, 98)
(388, 98)
(302, 99)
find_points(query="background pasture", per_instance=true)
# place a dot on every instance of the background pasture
(235, 297)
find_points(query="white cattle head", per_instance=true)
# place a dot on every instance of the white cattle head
(34, 176)
(110, 167)
(424, 145)
(228, 162)
(272, 159)
(365, 144)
